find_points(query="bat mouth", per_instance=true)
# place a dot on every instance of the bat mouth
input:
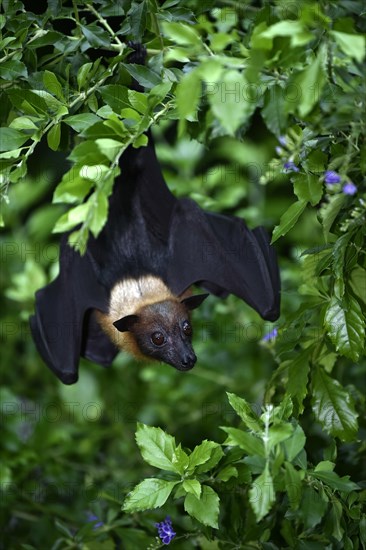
(187, 363)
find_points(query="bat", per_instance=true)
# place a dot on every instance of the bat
(132, 289)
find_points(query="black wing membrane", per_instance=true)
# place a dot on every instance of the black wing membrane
(63, 326)
(221, 254)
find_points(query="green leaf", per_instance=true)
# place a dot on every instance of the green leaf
(137, 18)
(95, 35)
(295, 444)
(244, 410)
(52, 84)
(81, 121)
(298, 373)
(11, 139)
(330, 210)
(157, 448)
(293, 484)
(143, 75)
(54, 136)
(294, 29)
(339, 253)
(227, 473)
(278, 433)
(274, 112)
(83, 75)
(311, 82)
(188, 94)
(232, 100)
(205, 509)
(251, 444)
(333, 406)
(150, 493)
(72, 188)
(307, 187)
(109, 147)
(352, 45)
(192, 486)
(332, 479)
(205, 456)
(138, 101)
(288, 219)
(99, 202)
(11, 70)
(261, 494)
(312, 508)
(182, 34)
(115, 96)
(345, 325)
(71, 218)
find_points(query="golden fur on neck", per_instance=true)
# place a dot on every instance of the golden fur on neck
(127, 298)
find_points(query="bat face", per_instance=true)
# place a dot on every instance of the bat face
(162, 331)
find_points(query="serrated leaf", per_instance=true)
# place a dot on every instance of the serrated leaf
(298, 372)
(143, 75)
(137, 17)
(192, 486)
(311, 82)
(157, 448)
(205, 509)
(293, 485)
(261, 494)
(345, 325)
(205, 456)
(342, 484)
(54, 136)
(138, 101)
(307, 187)
(244, 410)
(232, 100)
(150, 493)
(274, 111)
(295, 444)
(288, 219)
(115, 96)
(333, 406)
(251, 444)
(351, 44)
(188, 94)
(312, 508)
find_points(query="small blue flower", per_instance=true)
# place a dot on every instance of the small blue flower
(165, 530)
(349, 188)
(331, 177)
(279, 150)
(92, 517)
(283, 141)
(290, 166)
(270, 336)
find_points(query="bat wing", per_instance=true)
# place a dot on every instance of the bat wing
(63, 326)
(221, 254)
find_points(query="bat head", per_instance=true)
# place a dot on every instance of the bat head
(163, 331)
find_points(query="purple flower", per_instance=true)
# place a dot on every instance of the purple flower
(291, 166)
(331, 177)
(349, 188)
(283, 141)
(165, 530)
(270, 336)
(92, 517)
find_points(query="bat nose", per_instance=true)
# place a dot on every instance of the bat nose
(188, 361)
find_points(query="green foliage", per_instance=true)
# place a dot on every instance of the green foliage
(231, 80)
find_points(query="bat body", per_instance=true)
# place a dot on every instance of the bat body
(131, 289)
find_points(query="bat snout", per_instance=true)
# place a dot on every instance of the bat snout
(188, 361)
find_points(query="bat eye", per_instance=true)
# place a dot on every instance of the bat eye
(157, 338)
(187, 329)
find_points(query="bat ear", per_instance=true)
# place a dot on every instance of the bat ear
(192, 302)
(125, 323)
